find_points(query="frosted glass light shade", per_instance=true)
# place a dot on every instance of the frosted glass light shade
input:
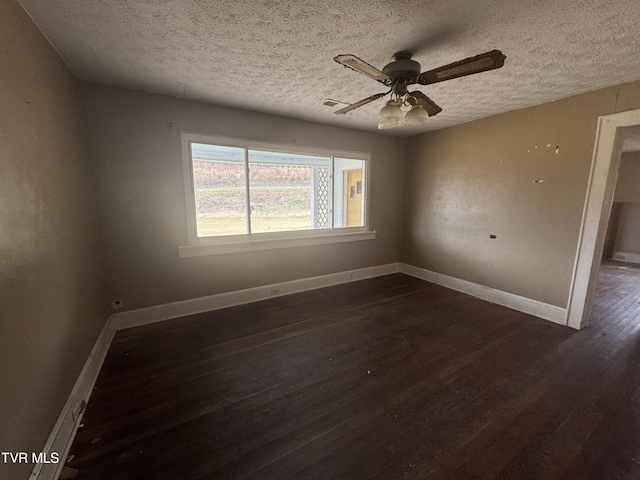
(390, 116)
(416, 117)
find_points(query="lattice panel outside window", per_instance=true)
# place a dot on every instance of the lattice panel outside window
(321, 197)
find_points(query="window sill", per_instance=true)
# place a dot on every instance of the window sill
(256, 244)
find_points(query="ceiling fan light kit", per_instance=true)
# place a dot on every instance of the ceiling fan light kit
(390, 115)
(417, 116)
(402, 72)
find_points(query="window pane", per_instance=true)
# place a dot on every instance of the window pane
(349, 191)
(288, 192)
(219, 188)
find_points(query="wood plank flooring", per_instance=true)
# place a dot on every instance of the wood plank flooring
(385, 378)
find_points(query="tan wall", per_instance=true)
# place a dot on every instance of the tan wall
(138, 161)
(628, 234)
(52, 293)
(628, 183)
(627, 238)
(470, 181)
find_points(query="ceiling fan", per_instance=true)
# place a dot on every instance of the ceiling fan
(402, 72)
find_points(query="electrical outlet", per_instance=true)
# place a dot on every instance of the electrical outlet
(275, 291)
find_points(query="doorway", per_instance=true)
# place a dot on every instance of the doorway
(610, 142)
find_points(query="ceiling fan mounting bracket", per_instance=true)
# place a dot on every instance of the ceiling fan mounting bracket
(401, 55)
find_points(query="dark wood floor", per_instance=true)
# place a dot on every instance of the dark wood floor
(380, 379)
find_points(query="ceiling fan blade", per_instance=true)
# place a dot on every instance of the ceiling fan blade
(362, 102)
(480, 63)
(354, 63)
(428, 104)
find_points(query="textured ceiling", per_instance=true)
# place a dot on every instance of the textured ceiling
(276, 56)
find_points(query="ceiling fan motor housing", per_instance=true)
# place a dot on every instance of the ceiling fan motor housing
(402, 68)
(402, 71)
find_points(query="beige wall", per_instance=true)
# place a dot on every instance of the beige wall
(628, 234)
(628, 183)
(502, 176)
(134, 143)
(52, 293)
(627, 239)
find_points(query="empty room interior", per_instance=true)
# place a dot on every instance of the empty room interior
(330, 240)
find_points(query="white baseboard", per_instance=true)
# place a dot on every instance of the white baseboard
(626, 257)
(65, 428)
(167, 311)
(506, 299)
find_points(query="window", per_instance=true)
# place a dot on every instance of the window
(245, 192)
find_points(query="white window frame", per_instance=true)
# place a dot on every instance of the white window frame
(247, 242)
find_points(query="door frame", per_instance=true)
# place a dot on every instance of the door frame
(597, 209)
